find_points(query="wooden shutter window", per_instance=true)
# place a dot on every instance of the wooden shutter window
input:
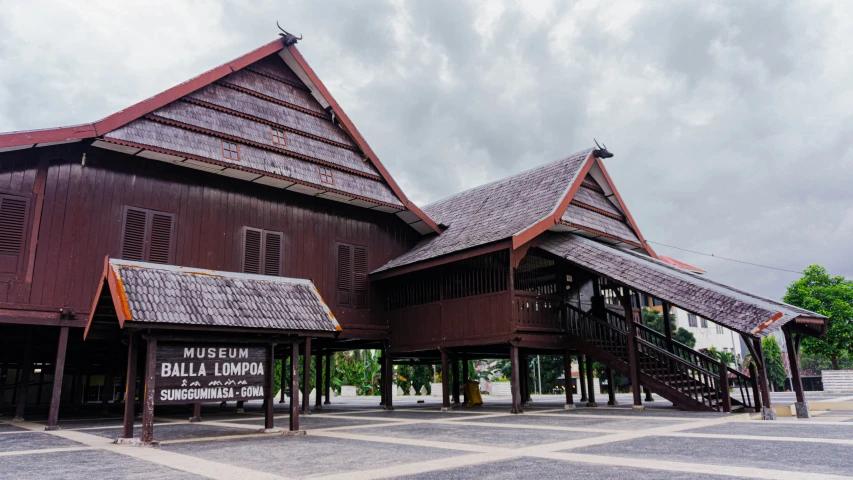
(344, 274)
(359, 289)
(13, 221)
(133, 236)
(272, 253)
(251, 250)
(147, 236)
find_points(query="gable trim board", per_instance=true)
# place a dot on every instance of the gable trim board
(291, 57)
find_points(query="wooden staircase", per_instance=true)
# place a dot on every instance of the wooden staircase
(685, 377)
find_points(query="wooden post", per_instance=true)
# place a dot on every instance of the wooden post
(725, 398)
(269, 394)
(306, 377)
(24, 378)
(58, 373)
(753, 377)
(465, 399)
(389, 383)
(130, 386)
(667, 326)
(328, 388)
(40, 385)
(108, 385)
(283, 382)
(801, 405)
(382, 375)
(611, 387)
(515, 380)
(294, 388)
(4, 372)
(633, 356)
(445, 381)
(147, 435)
(567, 369)
(524, 370)
(648, 392)
(318, 381)
(767, 413)
(455, 380)
(196, 417)
(582, 379)
(590, 384)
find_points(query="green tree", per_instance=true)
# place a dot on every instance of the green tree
(831, 296)
(654, 320)
(773, 358)
(727, 357)
(359, 368)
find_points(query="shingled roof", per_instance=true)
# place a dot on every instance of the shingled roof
(154, 294)
(264, 118)
(733, 308)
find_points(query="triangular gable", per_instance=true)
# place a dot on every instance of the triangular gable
(243, 103)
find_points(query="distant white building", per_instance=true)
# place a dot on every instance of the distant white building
(708, 334)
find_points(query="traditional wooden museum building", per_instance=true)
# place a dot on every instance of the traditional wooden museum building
(213, 210)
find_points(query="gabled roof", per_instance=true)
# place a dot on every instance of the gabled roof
(151, 294)
(680, 264)
(521, 207)
(733, 308)
(244, 102)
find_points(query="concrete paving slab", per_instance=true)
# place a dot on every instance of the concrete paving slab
(416, 415)
(575, 421)
(527, 468)
(792, 456)
(85, 465)
(177, 431)
(476, 435)
(8, 427)
(779, 429)
(33, 441)
(301, 456)
(315, 422)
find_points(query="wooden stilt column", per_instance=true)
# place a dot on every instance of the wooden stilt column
(147, 435)
(4, 372)
(767, 413)
(269, 394)
(318, 381)
(582, 379)
(455, 385)
(649, 397)
(567, 368)
(294, 388)
(24, 377)
(756, 395)
(590, 379)
(611, 388)
(667, 325)
(107, 394)
(284, 380)
(196, 416)
(524, 364)
(58, 373)
(382, 376)
(130, 386)
(633, 354)
(801, 405)
(515, 380)
(328, 388)
(40, 386)
(389, 383)
(465, 399)
(306, 377)
(445, 381)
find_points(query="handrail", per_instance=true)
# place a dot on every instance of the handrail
(677, 358)
(596, 320)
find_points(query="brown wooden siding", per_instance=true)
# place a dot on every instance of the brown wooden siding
(82, 219)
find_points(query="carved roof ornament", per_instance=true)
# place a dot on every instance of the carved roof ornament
(289, 38)
(601, 152)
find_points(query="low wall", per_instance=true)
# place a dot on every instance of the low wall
(837, 381)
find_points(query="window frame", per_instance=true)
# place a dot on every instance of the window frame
(146, 248)
(26, 230)
(327, 175)
(692, 320)
(263, 251)
(278, 136)
(231, 152)
(353, 280)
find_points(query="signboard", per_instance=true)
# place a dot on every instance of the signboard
(192, 373)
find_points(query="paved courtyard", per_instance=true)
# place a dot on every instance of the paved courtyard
(354, 439)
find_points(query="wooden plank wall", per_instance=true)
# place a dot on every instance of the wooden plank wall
(82, 218)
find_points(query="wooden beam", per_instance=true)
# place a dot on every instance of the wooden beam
(794, 362)
(567, 369)
(306, 377)
(762, 374)
(582, 379)
(328, 388)
(58, 373)
(515, 380)
(294, 388)
(318, 381)
(130, 386)
(147, 435)
(590, 379)
(445, 381)
(269, 410)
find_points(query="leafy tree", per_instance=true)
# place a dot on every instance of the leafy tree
(776, 374)
(727, 357)
(654, 320)
(830, 296)
(359, 368)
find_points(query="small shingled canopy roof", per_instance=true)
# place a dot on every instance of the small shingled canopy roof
(728, 306)
(157, 296)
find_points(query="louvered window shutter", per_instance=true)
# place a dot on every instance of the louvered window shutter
(252, 250)
(147, 236)
(134, 233)
(359, 288)
(13, 221)
(272, 253)
(160, 238)
(344, 275)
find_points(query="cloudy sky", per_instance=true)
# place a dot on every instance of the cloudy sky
(731, 121)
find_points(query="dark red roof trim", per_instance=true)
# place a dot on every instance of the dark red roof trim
(276, 101)
(240, 167)
(598, 210)
(599, 233)
(592, 186)
(279, 79)
(288, 153)
(202, 103)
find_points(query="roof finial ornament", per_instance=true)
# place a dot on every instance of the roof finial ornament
(289, 38)
(601, 152)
